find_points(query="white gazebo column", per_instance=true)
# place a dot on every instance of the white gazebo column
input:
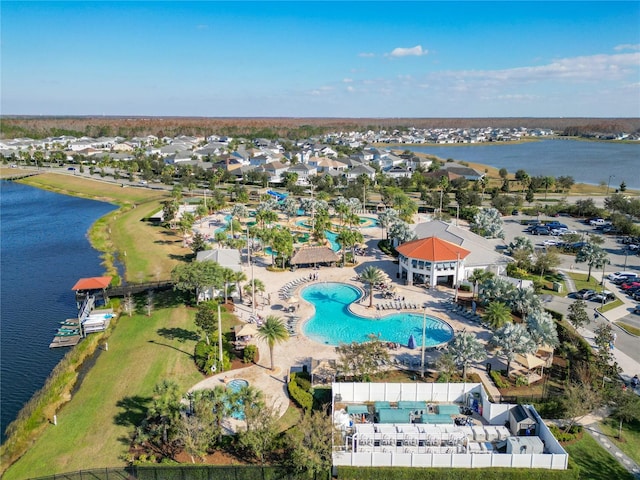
(432, 275)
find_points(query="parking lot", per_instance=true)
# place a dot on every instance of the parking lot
(621, 260)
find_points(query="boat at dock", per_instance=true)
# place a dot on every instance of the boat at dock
(90, 293)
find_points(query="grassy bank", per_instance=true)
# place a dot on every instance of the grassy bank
(595, 462)
(94, 427)
(147, 252)
(122, 227)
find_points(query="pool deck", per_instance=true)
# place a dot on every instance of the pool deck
(298, 350)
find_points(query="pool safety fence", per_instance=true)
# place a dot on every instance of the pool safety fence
(184, 472)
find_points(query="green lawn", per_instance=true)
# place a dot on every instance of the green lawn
(94, 427)
(630, 443)
(595, 462)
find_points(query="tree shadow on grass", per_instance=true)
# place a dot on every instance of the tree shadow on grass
(180, 334)
(190, 354)
(133, 410)
(181, 258)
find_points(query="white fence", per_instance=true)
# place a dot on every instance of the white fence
(451, 460)
(395, 392)
(398, 454)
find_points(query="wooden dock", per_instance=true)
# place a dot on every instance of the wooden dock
(67, 340)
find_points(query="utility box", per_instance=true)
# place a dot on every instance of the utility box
(524, 445)
(557, 287)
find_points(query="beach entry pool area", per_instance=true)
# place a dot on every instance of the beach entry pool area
(333, 322)
(235, 386)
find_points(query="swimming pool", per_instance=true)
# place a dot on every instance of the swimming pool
(368, 222)
(235, 386)
(334, 324)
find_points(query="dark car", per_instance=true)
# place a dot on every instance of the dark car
(540, 230)
(515, 212)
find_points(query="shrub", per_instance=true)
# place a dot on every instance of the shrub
(303, 383)
(250, 354)
(498, 379)
(204, 356)
(302, 398)
(574, 433)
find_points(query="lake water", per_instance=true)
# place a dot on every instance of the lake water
(586, 162)
(45, 250)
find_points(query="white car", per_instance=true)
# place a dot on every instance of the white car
(597, 221)
(551, 243)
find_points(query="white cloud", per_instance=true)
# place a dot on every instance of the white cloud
(350, 89)
(408, 52)
(595, 67)
(366, 54)
(627, 46)
(202, 26)
(347, 80)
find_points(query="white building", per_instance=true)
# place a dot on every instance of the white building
(427, 435)
(431, 261)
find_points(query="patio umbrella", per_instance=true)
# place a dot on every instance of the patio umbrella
(411, 344)
(246, 330)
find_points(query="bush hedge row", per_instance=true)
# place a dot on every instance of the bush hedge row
(410, 473)
(300, 395)
(498, 379)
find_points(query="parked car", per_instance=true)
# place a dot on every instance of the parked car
(584, 294)
(603, 297)
(594, 222)
(541, 230)
(629, 285)
(551, 243)
(622, 276)
(636, 310)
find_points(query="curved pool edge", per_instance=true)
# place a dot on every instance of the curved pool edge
(362, 294)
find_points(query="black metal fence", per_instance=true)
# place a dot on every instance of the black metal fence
(184, 472)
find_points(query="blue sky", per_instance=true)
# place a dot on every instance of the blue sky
(324, 59)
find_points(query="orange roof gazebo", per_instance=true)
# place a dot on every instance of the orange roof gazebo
(93, 283)
(433, 249)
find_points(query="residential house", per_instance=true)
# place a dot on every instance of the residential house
(358, 170)
(398, 172)
(304, 172)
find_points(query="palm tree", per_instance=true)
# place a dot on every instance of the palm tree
(258, 284)
(593, 255)
(371, 276)
(542, 329)
(525, 301)
(273, 331)
(478, 276)
(348, 238)
(513, 339)
(465, 349)
(238, 277)
(228, 276)
(497, 314)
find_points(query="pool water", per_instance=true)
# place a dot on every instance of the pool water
(334, 324)
(234, 386)
(368, 222)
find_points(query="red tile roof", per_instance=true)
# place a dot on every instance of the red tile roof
(93, 283)
(432, 249)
